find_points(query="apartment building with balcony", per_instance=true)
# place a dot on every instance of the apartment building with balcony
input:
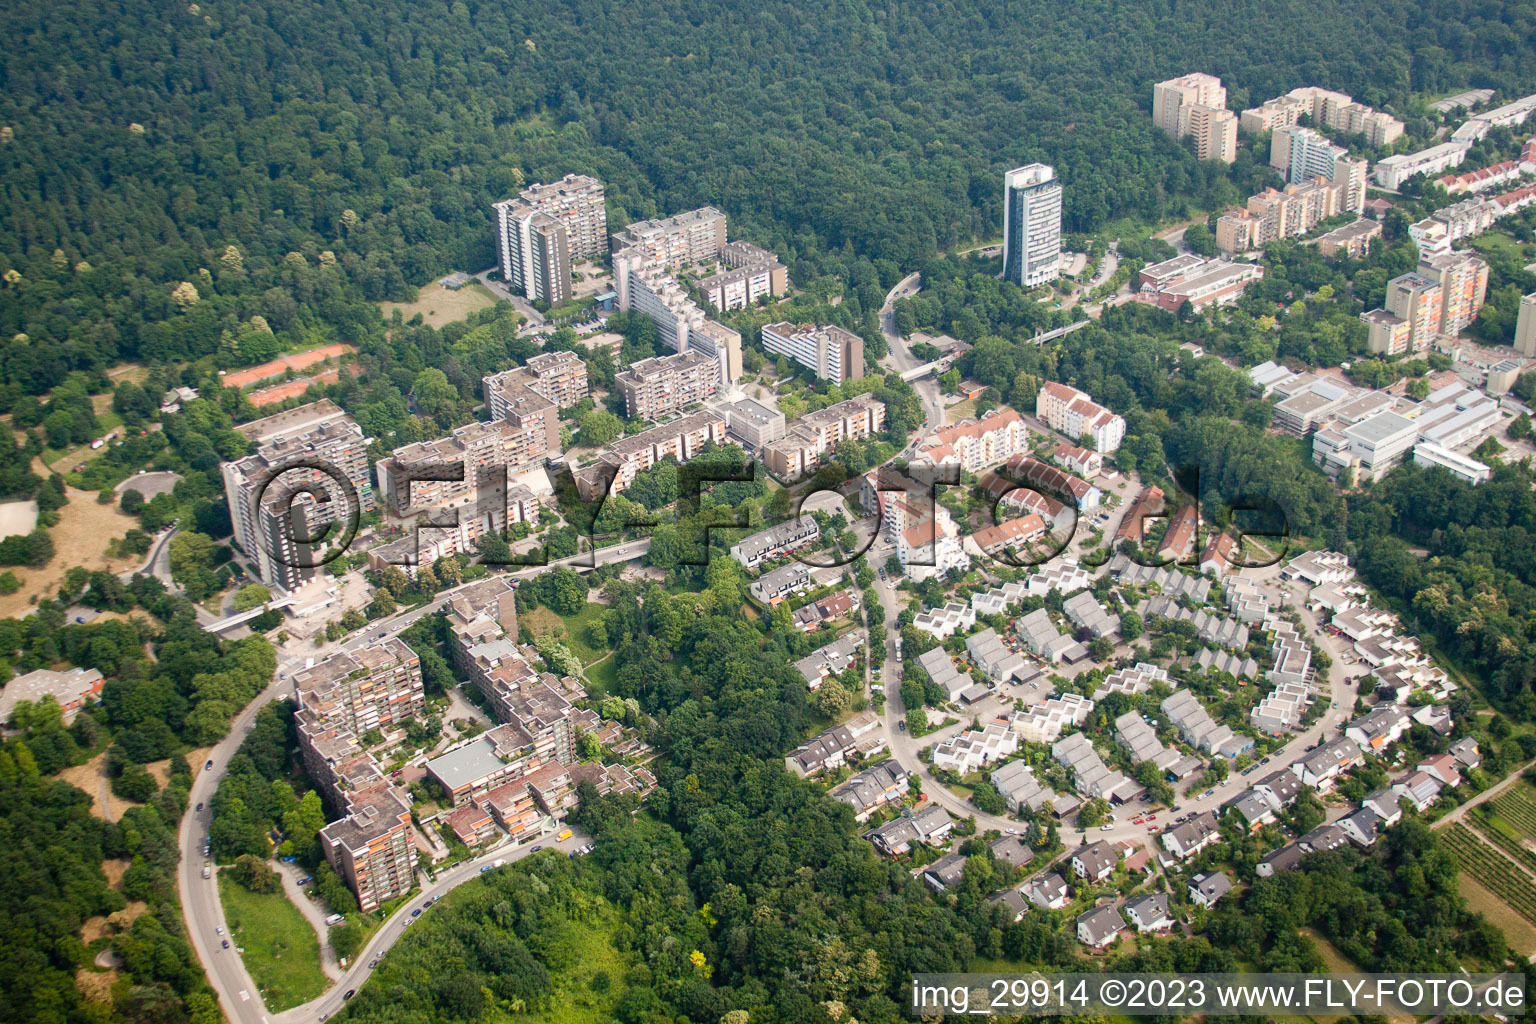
(662, 386)
(543, 228)
(1032, 199)
(1279, 213)
(316, 445)
(749, 274)
(1074, 413)
(676, 241)
(615, 467)
(975, 444)
(830, 352)
(799, 451)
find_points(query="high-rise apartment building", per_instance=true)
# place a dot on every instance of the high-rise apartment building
(545, 227)
(1301, 155)
(690, 237)
(371, 847)
(1463, 279)
(362, 690)
(480, 450)
(317, 446)
(661, 386)
(1031, 225)
(643, 286)
(1420, 301)
(1525, 326)
(750, 274)
(1327, 108)
(1196, 105)
(1286, 213)
(831, 352)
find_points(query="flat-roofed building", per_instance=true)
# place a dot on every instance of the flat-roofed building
(1463, 280)
(691, 237)
(371, 846)
(543, 228)
(750, 274)
(71, 690)
(1352, 240)
(1203, 283)
(1393, 170)
(806, 440)
(616, 466)
(1525, 326)
(419, 476)
(1461, 466)
(753, 423)
(361, 690)
(753, 550)
(830, 352)
(665, 385)
(268, 505)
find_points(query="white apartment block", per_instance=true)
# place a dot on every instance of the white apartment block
(1334, 110)
(1031, 225)
(1074, 413)
(1525, 326)
(1196, 105)
(543, 228)
(691, 237)
(750, 274)
(829, 351)
(265, 490)
(1045, 722)
(664, 385)
(975, 444)
(643, 285)
(1392, 171)
(1301, 155)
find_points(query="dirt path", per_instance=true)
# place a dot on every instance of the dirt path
(1487, 794)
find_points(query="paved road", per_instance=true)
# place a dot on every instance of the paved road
(901, 356)
(201, 910)
(904, 746)
(390, 932)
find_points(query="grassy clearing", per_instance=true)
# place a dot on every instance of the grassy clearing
(281, 951)
(438, 305)
(1519, 932)
(960, 411)
(576, 629)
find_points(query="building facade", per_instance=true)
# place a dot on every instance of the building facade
(543, 228)
(1075, 414)
(691, 237)
(1031, 225)
(664, 385)
(831, 352)
(268, 507)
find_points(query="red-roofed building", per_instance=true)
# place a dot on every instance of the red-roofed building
(1014, 533)
(1179, 542)
(472, 825)
(1148, 504)
(972, 444)
(1217, 557)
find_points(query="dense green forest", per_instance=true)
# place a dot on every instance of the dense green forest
(173, 172)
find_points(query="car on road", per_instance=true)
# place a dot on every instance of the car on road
(901, 726)
(1013, 831)
(372, 964)
(209, 765)
(1106, 828)
(484, 868)
(1138, 821)
(199, 805)
(350, 993)
(536, 849)
(226, 943)
(416, 912)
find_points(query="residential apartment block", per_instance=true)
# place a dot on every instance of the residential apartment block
(476, 451)
(362, 690)
(799, 451)
(614, 467)
(1287, 213)
(1352, 240)
(829, 351)
(750, 274)
(1196, 105)
(975, 444)
(1412, 317)
(661, 386)
(71, 690)
(691, 237)
(643, 285)
(559, 377)
(1075, 414)
(268, 507)
(1525, 326)
(1302, 155)
(1325, 107)
(1031, 225)
(1392, 171)
(544, 228)
(1463, 279)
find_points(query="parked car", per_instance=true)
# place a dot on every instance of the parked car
(209, 765)
(350, 993)
(199, 805)
(485, 868)
(226, 943)
(416, 912)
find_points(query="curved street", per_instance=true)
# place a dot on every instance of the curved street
(904, 746)
(201, 909)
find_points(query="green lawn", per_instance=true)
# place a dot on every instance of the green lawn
(1500, 244)
(281, 950)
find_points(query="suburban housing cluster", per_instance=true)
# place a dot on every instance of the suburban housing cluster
(513, 782)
